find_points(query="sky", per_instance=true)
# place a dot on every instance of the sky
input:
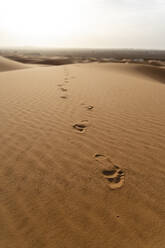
(83, 23)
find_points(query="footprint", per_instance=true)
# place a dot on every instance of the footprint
(90, 107)
(64, 97)
(115, 177)
(114, 174)
(101, 158)
(63, 89)
(81, 126)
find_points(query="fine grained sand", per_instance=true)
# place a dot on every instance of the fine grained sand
(76, 176)
(9, 65)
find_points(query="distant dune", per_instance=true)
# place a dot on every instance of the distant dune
(151, 72)
(9, 65)
(82, 156)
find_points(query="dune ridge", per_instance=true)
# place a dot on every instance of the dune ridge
(54, 179)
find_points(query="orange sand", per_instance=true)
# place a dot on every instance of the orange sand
(56, 190)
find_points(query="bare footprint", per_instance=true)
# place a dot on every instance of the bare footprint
(81, 126)
(63, 89)
(102, 159)
(64, 97)
(90, 107)
(115, 175)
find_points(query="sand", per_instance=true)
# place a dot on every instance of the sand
(82, 160)
(9, 65)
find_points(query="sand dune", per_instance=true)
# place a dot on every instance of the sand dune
(152, 72)
(82, 157)
(9, 65)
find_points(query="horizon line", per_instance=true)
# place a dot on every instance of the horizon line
(81, 48)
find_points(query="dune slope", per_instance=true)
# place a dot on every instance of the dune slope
(9, 65)
(82, 158)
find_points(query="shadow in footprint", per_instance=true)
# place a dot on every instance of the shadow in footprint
(80, 127)
(109, 172)
(115, 177)
(90, 107)
(98, 155)
(63, 89)
(114, 174)
(101, 158)
(64, 97)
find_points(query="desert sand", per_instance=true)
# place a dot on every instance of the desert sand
(9, 65)
(82, 161)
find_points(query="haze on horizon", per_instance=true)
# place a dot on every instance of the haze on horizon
(83, 23)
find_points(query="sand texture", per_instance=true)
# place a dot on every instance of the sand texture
(82, 157)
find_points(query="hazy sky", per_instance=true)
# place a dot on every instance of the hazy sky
(83, 23)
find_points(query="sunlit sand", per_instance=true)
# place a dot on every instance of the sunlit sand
(82, 156)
